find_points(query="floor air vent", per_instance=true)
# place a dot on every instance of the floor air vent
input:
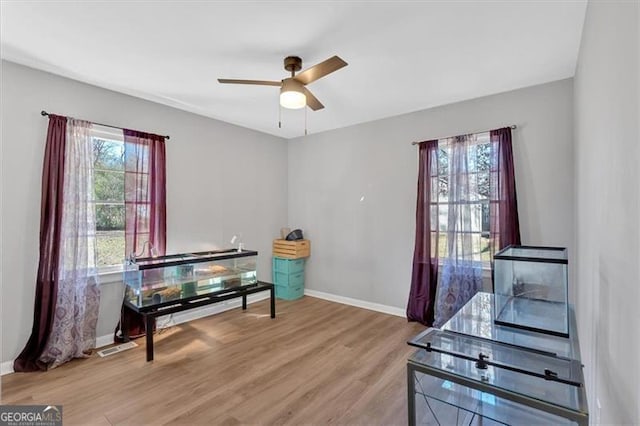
(117, 349)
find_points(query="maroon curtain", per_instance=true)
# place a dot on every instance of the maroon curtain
(145, 193)
(145, 203)
(425, 256)
(503, 211)
(50, 226)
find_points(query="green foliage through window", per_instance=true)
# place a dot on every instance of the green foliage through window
(477, 177)
(108, 180)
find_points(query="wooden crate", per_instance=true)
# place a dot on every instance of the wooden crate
(291, 249)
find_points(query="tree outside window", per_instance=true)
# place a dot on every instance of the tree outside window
(478, 171)
(108, 173)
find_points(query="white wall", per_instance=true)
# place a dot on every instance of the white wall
(353, 190)
(221, 180)
(607, 210)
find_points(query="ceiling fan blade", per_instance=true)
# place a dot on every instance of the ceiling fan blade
(256, 82)
(312, 101)
(320, 70)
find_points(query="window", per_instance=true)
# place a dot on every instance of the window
(109, 178)
(475, 178)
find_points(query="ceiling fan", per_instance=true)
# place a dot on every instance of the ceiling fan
(293, 93)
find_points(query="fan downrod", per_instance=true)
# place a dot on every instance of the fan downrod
(292, 64)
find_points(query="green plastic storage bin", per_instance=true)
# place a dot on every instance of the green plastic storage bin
(288, 280)
(288, 266)
(289, 293)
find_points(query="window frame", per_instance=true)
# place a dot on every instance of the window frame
(109, 273)
(484, 138)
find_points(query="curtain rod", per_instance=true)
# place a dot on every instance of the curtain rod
(46, 114)
(513, 126)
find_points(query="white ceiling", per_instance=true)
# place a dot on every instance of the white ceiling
(403, 56)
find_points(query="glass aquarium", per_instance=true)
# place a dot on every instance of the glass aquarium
(531, 289)
(152, 281)
(459, 379)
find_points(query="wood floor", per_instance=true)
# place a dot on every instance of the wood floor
(317, 362)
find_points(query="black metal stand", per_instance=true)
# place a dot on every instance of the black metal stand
(150, 313)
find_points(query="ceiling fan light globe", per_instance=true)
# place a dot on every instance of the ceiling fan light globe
(293, 100)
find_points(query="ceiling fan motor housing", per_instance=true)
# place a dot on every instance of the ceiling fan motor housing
(292, 63)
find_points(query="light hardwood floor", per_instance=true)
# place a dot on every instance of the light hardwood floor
(317, 362)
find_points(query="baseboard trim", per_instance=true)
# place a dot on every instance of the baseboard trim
(103, 341)
(6, 368)
(385, 309)
(178, 318)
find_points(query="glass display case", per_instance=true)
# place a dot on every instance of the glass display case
(461, 379)
(154, 281)
(531, 289)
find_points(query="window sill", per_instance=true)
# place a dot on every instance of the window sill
(110, 277)
(486, 268)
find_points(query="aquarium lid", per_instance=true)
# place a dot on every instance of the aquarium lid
(533, 254)
(188, 258)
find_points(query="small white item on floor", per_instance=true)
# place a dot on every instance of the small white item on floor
(117, 349)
